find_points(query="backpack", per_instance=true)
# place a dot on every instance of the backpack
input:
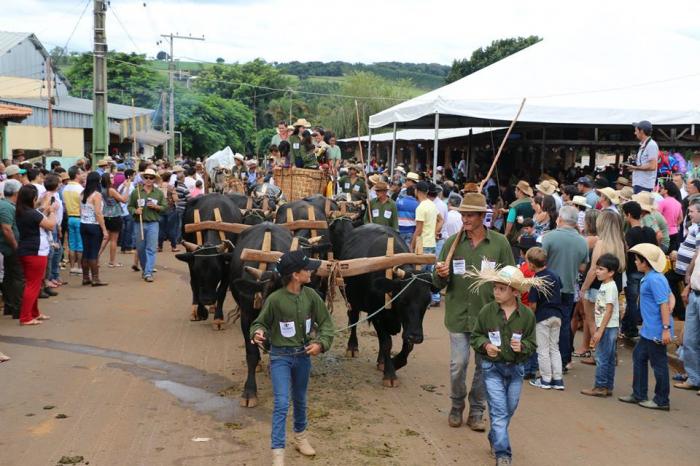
(667, 164)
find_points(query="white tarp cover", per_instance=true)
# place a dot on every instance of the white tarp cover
(590, 79)
(422, 134)
(223, 158)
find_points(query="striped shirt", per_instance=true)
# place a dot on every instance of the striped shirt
(182, 194)
(686, 251)
(406, 206)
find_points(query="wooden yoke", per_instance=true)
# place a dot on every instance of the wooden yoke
(213, 225)
(196, 223)
(311, 215)
(389, 272)
(217, 218)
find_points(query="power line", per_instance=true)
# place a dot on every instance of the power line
(114, 12)
(75, 28)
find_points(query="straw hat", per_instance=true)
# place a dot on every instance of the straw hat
(580, 201)
(102, 163)
(524, 186)
(400, 169)
(302, 122)
(381, 186)
(473, 202)
(376, 178)
(413, 177)
(470, 188)
(626, 193)
(651, 253)
(645, 200)
(546, 187)
(178, 169)
(508, 275)
(623, 181)
(611, 194)
(149, 171)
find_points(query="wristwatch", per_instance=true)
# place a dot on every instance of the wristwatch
(666, 327)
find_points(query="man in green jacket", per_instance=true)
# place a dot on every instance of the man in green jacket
(519, 210)
(383, 208)
(352, 184)
(481, 249)
(145, 204)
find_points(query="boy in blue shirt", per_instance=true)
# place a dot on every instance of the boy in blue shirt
(655, 303)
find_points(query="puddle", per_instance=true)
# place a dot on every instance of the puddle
(193, 388)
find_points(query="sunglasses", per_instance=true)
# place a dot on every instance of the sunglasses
(149, 177)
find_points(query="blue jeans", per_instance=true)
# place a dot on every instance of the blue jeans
(632, 315)
(435, 297)
(459, 361)
(55, 256)
(565, 336)
(638, 189)
(503, 384)
(175, 226)
(288, 370)
(126, 237)
(605, 359)
(407, 237)
(532, 364)
(691, 339)
(647, 352)
(146, 247)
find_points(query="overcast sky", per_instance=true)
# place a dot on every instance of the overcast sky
(350, 30)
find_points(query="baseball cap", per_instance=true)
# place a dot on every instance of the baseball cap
(423, 186)
(294, 261)
(584, 180)
(644, 125)
(13, 170)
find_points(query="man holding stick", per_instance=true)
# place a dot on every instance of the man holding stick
(145, 204)
(483, 249)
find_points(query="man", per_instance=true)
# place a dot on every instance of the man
(102, 166)
(453, 223)
(181, 194)
(622, 182)
(334, 154)
(13, 280)
(71, 202)
(395, 190)
(481, 248)
(679, 181)
(691, 329)
(609, 199)
(146, 203)
(352, 184)
(653, 218)
(520, 209)
(13, 172)
(428, 221)
(440, 233)
(585, 187)
(566, 251)
(282, 133)
(383, 209)
(36, 178)
(645, 164)
(406, 205)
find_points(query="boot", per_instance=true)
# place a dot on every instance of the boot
(600, 392)
(95, 267)
(301, 443)
(454, 419)
(278, 457)
(86, 272)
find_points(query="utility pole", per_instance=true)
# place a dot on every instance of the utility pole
(164, 103)
(49, 84)
(171, 72)
(100, 135)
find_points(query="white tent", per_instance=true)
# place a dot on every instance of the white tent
(591, 79)
(422, 134)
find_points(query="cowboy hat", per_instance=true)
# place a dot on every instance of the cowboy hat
(509, 275)
(623, 181)
(400, 169)
(376, 178)
(302, 122)
(645, 200)
(626, 193)
(178, 169)
(238, 156)
(380, 186)
(580, 201)
(102, 163)
(611, 194)
(149, 172)
(473, 202)
(653, 254)
(546, 187)
(524, 186)
(413, 176)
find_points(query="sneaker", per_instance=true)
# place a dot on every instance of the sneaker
(599, 392)
(76, 271)
(686, 386)
(539, 383)
(148, 278)
(651, 404)
(503, 461)
(557, 384)
(629, 399)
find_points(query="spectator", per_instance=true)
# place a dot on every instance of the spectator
(51, 183)
(453, 224)
(427, 223)
(519, 210)
(645, 163)
(92, 229)
(406, 206)
(585, 187)
(126, 237)
(71, 200)
(112, 211)
(672, 210)
(383, 209)
(13, 277)
(145, 204)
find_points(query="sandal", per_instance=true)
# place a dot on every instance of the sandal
(43, 317)
(31, 322)
(109, 264)
(135, 268)
(585, 354)
(4, 357)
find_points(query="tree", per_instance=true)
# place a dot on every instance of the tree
(128, 75)
(162, 56)
(209, 123)
(483, 57)
(220, 61)
(58, 56)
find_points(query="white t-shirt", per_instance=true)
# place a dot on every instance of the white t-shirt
(442, 210)
(607, 294)
(453, 223)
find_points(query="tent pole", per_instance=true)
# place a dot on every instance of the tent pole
(470, 161)
(435, 146)
(393, 153)
(369, 150)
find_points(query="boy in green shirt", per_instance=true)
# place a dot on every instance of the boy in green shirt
(383, 208)
(504, 335)
(286, 321)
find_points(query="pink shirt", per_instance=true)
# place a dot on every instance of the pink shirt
(671, 209)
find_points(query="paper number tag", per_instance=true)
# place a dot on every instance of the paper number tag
(387, 214)
(459, 266)
(347, 185)
(375, 213)
(308, 326)
(141, 202)
(295, 146)
(356, 188)
(288, 329)
(487, 265)
(495, 338)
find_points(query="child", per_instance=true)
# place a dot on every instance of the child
(528, 228)
(607, 322)
(286, 321)
(655, 304)
(504, 334)
(548, 314)
(197, 191)
(524, 244)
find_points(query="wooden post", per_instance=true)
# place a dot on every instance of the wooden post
(267, 243)
(389, 272)
(311, 214)
(217, 217)
(197, 219)
(419, 249)
(362, 162)
(295, 244)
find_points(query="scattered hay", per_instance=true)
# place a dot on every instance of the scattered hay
(71, 460)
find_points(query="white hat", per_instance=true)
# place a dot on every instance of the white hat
(400, 169)
(238, 156)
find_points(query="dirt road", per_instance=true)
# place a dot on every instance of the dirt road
(120, 376)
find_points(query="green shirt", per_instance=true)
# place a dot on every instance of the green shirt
(384, 213)
(334, 153)
(461, 304)
(566, 250)
(356, 188)
(149, 215)
(309, 158)
(492, 319)
(295, 148)
(7, 217)
(657, 222)
(287, 319)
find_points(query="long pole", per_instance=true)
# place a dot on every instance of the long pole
(362, 160)
(164, 104)
(134, 144)
(393, 153)
(100, 139)
(50, 103)
(435, 146)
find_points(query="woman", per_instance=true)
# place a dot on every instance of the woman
(545, 217)
(164, 232)
(92, 229)
(579, 316)
(112, 212)
(33, 250)
(671, 208)
(308, 151)
(609, 227)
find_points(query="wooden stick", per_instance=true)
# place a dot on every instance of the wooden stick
(138, 195)
(503, 143)
(362, 162)
(199, 232)
(388, 273)
(295, 244)
(217, 217)
(311, 215)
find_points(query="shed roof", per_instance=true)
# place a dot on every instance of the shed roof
(12, 112)
(422, 134)
(83, 106)
(8, 40)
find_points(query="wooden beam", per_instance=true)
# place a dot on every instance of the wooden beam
(388, 273)
(197, 223)
(217, 217)
(311, 215)
(305, 225)
(213, 225)
(591, 143)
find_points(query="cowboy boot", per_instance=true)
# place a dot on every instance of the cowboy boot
(278, 457)
(301, 443)
(95, 267)
(86, 271)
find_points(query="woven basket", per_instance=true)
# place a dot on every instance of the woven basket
(235, 185)
(298, 183)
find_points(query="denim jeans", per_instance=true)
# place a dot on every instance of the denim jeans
(146, 247)
(435, 297)
(503, 384)
(605, 359)
(55, 255)
(288, 370)
(647, 352)
(459, 360)
(691, 339)
(126, 237)
(175, 226)
(632, 315)
(407, 237)
(566, 339)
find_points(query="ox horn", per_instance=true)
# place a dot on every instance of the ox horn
(315, 239)
(399, 272)
(254, 272)
(225, 246)
(190, 247)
